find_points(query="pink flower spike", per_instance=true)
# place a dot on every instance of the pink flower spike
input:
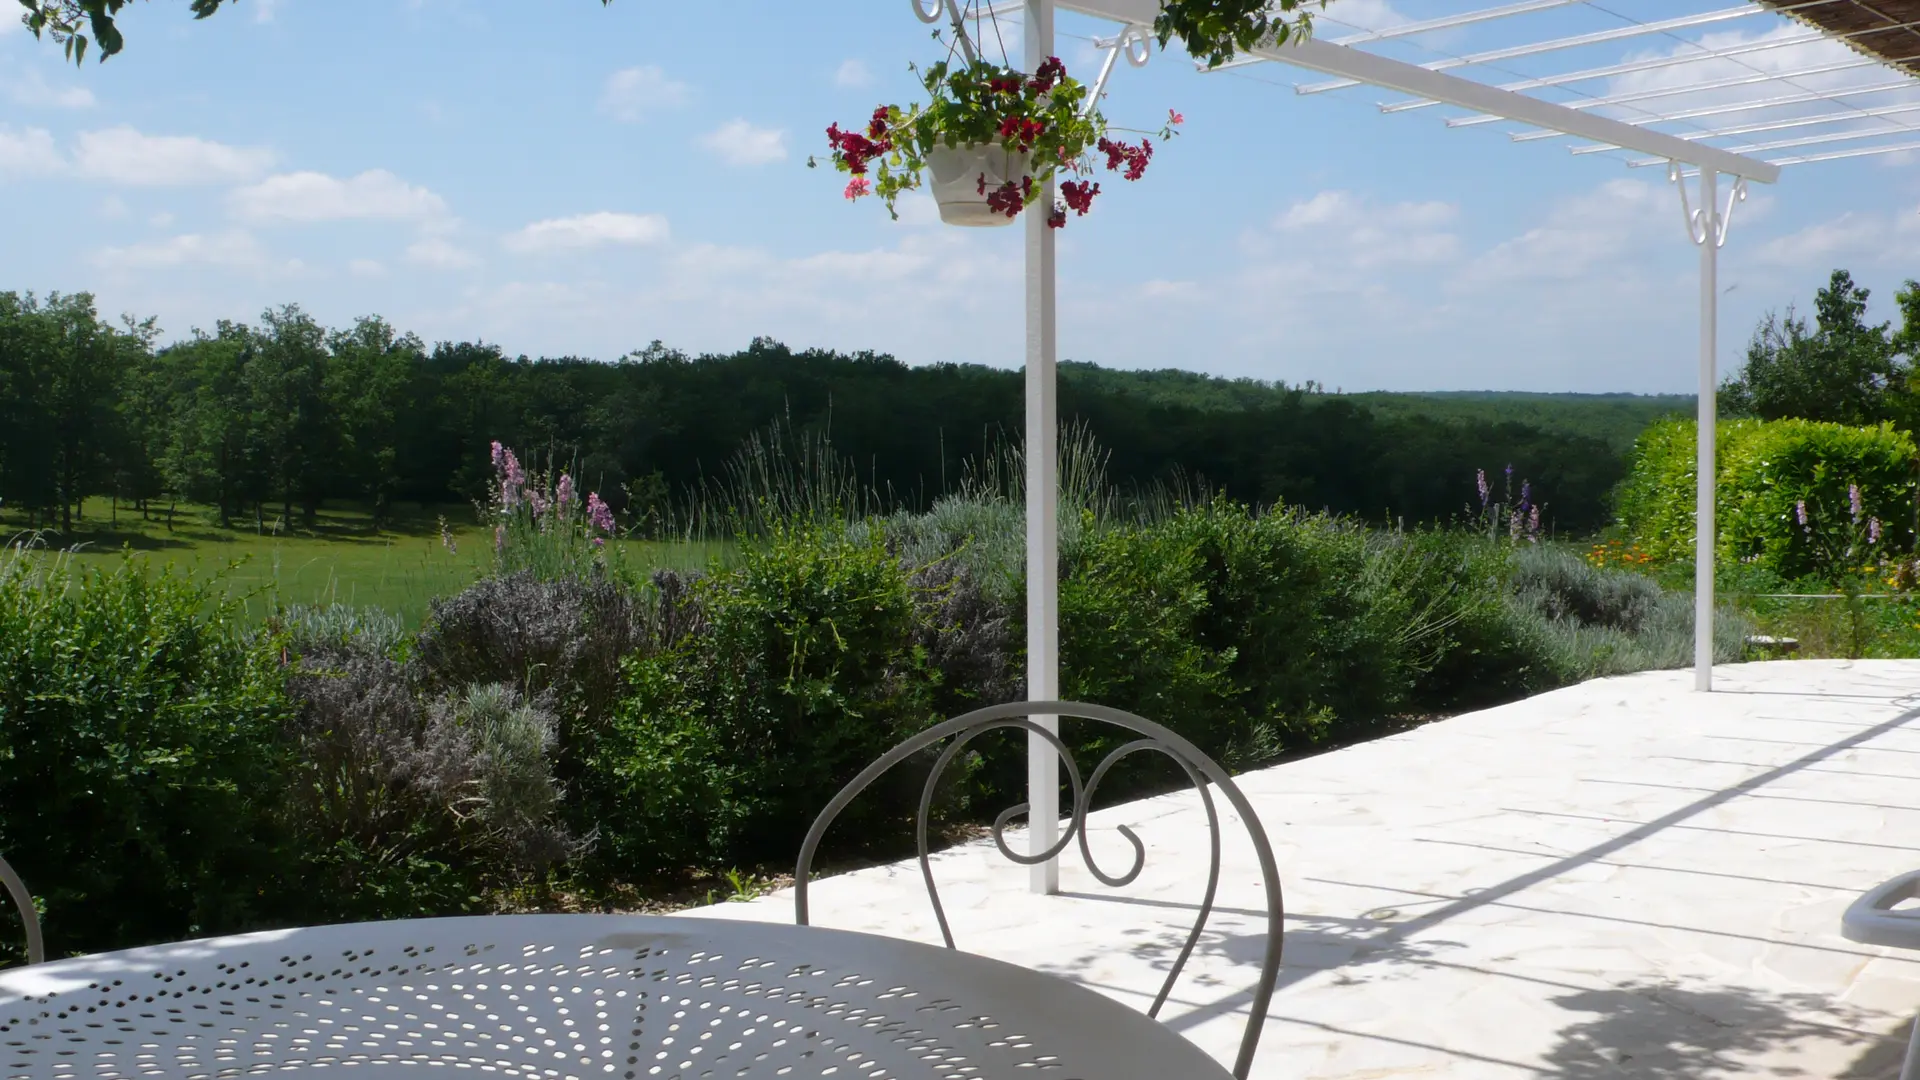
(599, 513)
(1853, 500)
(857, 187)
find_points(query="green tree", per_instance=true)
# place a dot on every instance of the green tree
(27, 346)
(286, 378)
(366, 386)
(1841, 370)
(145, 423)
(63, 370)
(212, 453)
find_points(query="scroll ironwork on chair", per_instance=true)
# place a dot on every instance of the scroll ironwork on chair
(1199, 768)
(23, 900)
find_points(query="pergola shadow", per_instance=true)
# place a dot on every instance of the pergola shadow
(1636, 1029)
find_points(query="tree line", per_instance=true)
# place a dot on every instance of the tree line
(283, 416)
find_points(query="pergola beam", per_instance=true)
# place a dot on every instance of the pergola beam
(1351, 63)
(1535, 48)
(1491, 100)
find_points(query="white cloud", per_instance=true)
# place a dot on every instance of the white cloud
(1583, 234)
(32, 89)
(589, 231)
(1364, 233)
(1855, 237)
(631, 94)
(853, 75)
(122, 155)
(1360, 15)
(740, 143)
(310, 196)
(233, 248)
(707, 296)
(368, 268)
(440, 254)
(28, 152)
(1755, 70)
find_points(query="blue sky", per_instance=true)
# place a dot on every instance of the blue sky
(561, 178)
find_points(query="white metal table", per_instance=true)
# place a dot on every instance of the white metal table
(559, 996)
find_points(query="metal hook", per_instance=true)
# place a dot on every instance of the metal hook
(1737, 195)
(1126, 42)
(926, 16)
(1697, 226)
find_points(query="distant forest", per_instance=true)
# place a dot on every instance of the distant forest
(285, 415)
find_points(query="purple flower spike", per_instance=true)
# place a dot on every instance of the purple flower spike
(1486, 492)
(564, 496)
(1853, 500)
(1800, 512)
(1873, 530)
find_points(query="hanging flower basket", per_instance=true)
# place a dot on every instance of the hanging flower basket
(987, 143)
(968, 182)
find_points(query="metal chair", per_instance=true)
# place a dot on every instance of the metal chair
(1877, 918)
(1198, 767)
(23, 900)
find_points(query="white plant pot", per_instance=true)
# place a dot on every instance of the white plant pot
(956, 174)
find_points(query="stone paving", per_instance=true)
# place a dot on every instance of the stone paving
(1620, 879)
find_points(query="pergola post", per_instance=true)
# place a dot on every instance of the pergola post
(1709, 236)
(1043, 500)
(1707, 227)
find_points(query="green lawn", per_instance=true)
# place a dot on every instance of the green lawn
(342, 560)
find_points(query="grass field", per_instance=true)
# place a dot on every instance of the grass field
(342, 560)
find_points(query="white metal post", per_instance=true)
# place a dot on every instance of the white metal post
(1705, 533)
(1043, 500)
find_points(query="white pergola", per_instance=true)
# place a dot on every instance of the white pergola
(1837, 84)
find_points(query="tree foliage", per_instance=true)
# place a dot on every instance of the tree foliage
(1839, 370)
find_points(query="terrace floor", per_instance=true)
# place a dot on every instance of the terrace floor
(1620, 879)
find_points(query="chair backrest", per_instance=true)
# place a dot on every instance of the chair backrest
(1199, 768)
(22, 899)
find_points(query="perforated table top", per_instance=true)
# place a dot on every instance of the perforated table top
(553, 996)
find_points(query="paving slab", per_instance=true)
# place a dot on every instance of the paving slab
(1622, 879)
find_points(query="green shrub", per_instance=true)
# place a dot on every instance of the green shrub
(1478, 651)
(140, 758)
(1779, 464)
(561, 638)
(1561, 585)
(1766, 469)
(405, 803)
(803, 670)
(1602, 621)
(1307, 628)
(1655, 503)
